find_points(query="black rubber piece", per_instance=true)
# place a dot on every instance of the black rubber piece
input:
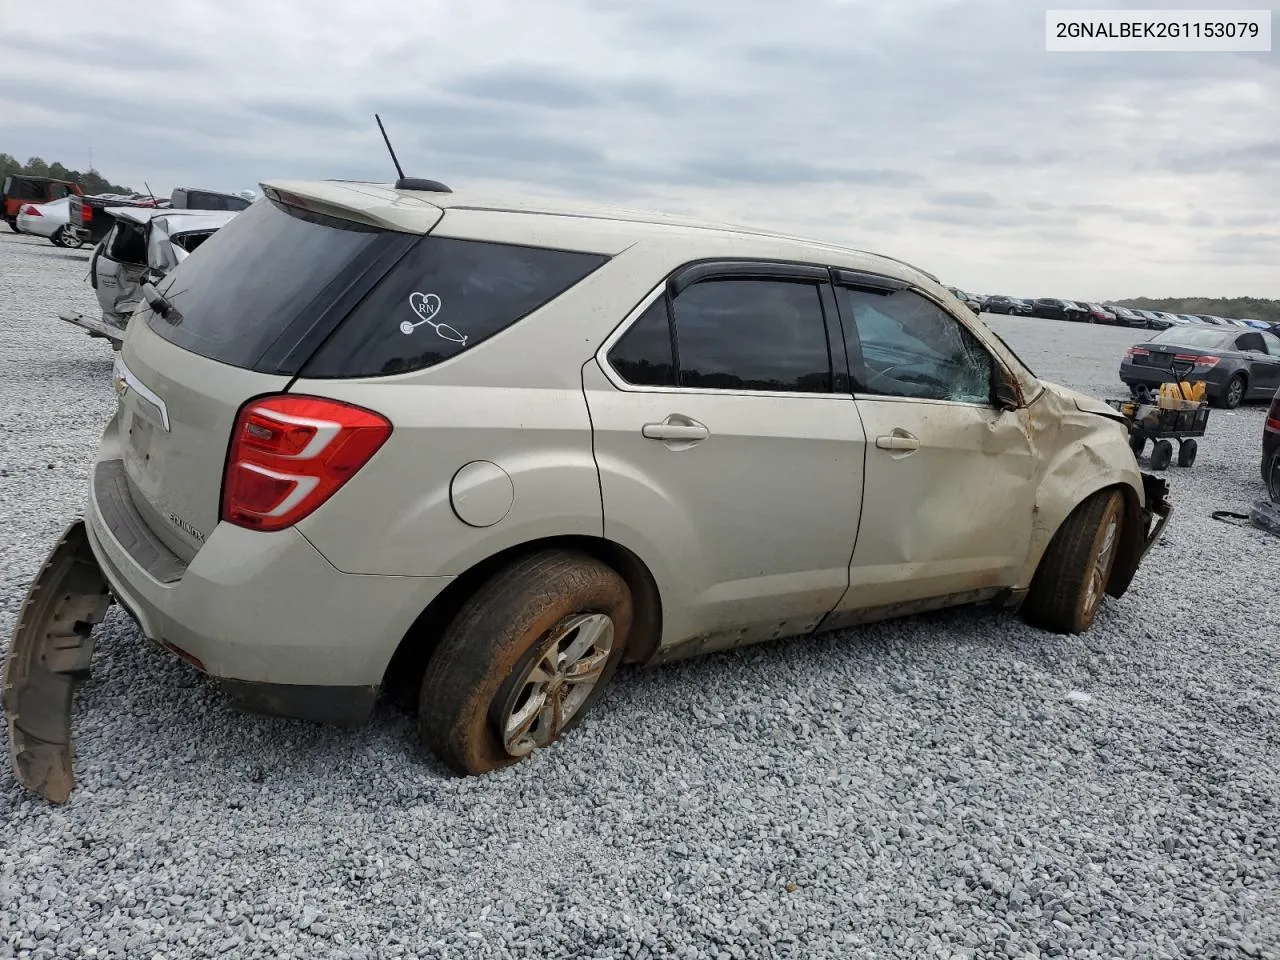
(1161, 454)
(426, 186)
(1187, 450)
(340, 706)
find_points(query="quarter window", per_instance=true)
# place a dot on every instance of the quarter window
(643, 355)
(911, 347)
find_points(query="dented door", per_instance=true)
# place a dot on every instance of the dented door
(949, 493)
(947, 501)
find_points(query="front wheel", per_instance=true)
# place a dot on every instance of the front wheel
(1068, 588)
(524, 660)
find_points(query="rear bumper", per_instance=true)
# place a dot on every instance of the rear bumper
(1132, 373)
(264, 613)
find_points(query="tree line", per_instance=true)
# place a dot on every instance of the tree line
(1251, 308)
(91, 182)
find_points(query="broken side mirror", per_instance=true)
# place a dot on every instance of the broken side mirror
(1004, 391)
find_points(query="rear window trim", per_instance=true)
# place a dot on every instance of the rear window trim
(272, 360)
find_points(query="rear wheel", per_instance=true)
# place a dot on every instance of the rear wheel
(1161, 454)
(1233, 393)
(13, 223)
(1072, 579)
(524, 660)
(1187, 450)
(56, 239)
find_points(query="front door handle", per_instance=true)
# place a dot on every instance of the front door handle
(676, 427)
(898, 440)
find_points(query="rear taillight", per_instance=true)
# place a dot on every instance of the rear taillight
(1273, 415)
(86, 213)
(31, 210)
(1137, 352)
(289, 454)
(1198, 361)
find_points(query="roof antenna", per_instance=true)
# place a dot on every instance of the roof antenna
(390, 149)
(150, 194)
(409, 183)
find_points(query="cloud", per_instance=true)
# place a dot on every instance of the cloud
(965, 198)
(939, 132)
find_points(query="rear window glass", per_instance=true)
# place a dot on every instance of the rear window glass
(443, 297)
(250, 281)
(1192, 337)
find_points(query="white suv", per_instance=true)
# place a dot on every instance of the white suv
(369, 433)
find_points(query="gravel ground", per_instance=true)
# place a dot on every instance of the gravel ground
(955, 785)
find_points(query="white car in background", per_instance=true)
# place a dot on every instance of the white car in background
(143, 245)
(50, 220)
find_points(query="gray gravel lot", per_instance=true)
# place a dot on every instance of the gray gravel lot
(936, 787)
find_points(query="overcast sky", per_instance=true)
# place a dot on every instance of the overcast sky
(937, 131)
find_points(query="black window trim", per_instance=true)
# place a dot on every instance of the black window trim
(853, 345)
(741, 268)
(736, 268)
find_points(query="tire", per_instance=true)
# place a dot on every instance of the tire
(1071, 581)
(1187, 450)
(478, 679)
(1233, 393)
(13, 224)
(72, 240)
(1137, 445)
(1271, 476)
(56, 239)
(1161, 454)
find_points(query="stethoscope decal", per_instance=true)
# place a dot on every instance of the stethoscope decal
(426, 306)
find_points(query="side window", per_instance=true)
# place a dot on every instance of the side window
(752, 335)
(445, 297)
(1272, 342)
(911, 347)
(642, 356)
(1251, 341)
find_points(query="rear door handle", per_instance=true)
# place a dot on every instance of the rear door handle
(676, 427)
(898, 440)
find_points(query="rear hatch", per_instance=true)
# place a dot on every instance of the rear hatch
(240, 317)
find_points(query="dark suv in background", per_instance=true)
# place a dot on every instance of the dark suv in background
(188, 198)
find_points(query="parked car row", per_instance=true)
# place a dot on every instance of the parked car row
(1080, 311)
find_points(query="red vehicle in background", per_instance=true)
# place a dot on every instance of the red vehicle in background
(20, 188)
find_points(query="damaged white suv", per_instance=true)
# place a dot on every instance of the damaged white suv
(371, 433)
